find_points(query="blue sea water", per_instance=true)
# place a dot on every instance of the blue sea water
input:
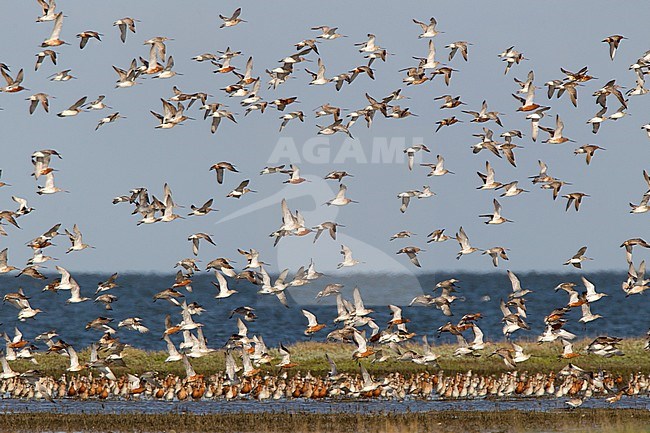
(623, 317)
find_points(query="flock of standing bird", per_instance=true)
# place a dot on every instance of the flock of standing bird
(354, 323)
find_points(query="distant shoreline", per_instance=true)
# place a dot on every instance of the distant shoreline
(310, 357)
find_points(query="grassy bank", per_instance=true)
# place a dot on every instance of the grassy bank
(311, 357)
(587, 420)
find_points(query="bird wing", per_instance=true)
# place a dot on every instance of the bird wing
(358, 301)
(287, 216)
(431, 55)
(341, 193)
(249, 70)
(311, 318)
(421, 24)
(282, 297)
(189, 370)
(65, 275)
(223, 284)
(230, 367)
(266, 279)
(75, 290)
(360, 341)
(414, 259)
(58, 23)
(397, 312)
(282, 277)
(321, 69)
(153, 60)
(591, 289)
(49, 180)
(462, 238)
(242, 330)
(333, 370)
(559, 126)
(504, 309)
(490, 173)
(516, 285)
(580, 253)
(79, 103)
(347, 253)
(497, 208)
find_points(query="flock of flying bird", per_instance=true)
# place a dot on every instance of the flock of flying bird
(353, 316)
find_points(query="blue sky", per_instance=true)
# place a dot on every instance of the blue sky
(98, 166)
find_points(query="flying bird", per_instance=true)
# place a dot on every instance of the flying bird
(123, 24)
(613, 42)
(232, 20)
